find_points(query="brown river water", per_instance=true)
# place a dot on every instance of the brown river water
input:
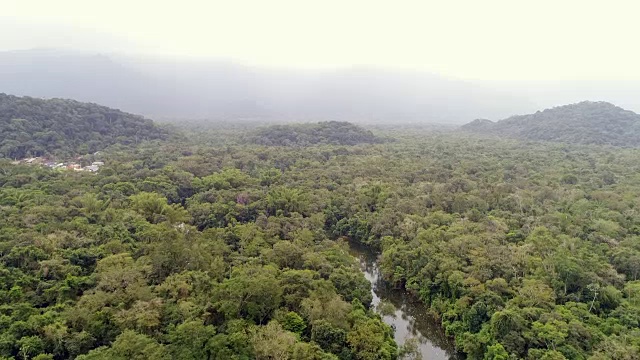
(411, 319)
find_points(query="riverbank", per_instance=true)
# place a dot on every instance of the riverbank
(409, 318)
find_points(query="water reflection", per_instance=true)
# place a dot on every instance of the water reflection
(409, 318)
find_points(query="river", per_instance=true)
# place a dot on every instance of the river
(410, 319)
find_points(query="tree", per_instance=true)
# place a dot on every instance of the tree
(367, 342)
(294, 323)
(252, 292)
(191, 340)
(129, 345)
(496, 352)
(272, 342)
(351, 285)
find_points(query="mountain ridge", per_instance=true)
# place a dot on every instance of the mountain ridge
(325, 132)
(586, 122)
(35, 127)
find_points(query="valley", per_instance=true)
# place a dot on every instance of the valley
(227, 242)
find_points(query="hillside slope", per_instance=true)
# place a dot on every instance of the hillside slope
(36, 127)
(327, 132)
(583, 123)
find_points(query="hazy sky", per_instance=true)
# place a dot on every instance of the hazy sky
(498, 40)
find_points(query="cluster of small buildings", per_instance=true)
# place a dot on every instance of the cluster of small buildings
(73, 166)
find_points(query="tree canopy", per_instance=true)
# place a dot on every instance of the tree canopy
(327, 132)
(59, 127)
(582, 123)
(197, 249)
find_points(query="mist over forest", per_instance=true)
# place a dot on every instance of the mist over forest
(172, 89)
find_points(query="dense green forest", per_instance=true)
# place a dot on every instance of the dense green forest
(64, 128)
(169, 256)
(215, 247)
(582, 123)
(326, 132)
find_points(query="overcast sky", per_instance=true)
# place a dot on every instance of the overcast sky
(487, 40)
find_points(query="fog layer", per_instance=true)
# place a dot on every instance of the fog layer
(187, 89)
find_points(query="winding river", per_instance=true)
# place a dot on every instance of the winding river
(410, 318)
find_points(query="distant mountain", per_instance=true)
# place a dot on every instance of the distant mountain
(583, 123)
(327, 132)
(36, 127)
(174, 89)
(72, 75)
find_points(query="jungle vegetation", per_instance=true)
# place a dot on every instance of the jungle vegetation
(191, 248)
(586, 122)
(325, 132)
(31, 127)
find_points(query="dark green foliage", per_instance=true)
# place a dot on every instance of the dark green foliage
(328, 132)
(193, 250)
(294, 323)
(146, 260)
(351, 285)
(36, 127)
(583, 123)
(329, 337)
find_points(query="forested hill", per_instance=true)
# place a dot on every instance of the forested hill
(37, 127)
(327, 132)
(583, 123)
